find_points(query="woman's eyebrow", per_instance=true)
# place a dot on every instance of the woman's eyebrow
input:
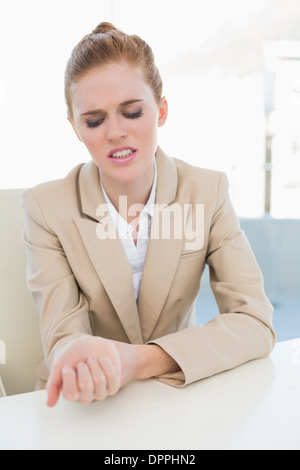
(127, 103)
(92, 112)
(100, 111)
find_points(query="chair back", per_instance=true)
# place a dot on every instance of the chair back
(19, 321)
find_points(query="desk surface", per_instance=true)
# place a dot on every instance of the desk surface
(255, 406)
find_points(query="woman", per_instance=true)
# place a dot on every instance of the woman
(116, 250)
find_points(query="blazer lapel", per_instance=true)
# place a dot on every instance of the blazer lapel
(164, 249)
(107, 254)
(110, 261)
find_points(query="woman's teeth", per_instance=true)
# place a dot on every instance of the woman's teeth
(122, 153)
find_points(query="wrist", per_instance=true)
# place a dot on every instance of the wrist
(154, 361)
(144, 361)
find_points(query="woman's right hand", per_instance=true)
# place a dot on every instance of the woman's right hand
(87, 369)
(92, 368)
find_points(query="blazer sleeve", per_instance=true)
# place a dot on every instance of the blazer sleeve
(243, 331)
(64, 312)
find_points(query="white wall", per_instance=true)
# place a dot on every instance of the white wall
(216, 115)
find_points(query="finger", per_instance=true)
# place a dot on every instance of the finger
(113, 378)
(54, 384)
(99, 379)
(85, 383)
(69, 387)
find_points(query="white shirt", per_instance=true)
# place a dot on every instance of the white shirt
(136, 254)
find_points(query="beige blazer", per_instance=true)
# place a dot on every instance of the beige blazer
(81, 280)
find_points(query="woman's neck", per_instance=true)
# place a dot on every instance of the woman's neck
(129, 194)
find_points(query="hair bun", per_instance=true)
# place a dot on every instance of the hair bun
(104, 28)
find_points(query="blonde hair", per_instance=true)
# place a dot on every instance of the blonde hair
(105, 45)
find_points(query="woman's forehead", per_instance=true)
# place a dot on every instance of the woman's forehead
(117, 83)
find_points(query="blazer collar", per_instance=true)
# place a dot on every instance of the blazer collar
(166, 178)
(111, 264)
(91, 194)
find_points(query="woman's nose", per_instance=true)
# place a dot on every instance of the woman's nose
(115, 129)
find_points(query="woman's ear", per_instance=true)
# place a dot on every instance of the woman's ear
(74, 128)
(163, 112)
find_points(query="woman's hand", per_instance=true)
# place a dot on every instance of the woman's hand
(87, 369)
(92, 368)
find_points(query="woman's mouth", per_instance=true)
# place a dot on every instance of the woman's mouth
(122, 155)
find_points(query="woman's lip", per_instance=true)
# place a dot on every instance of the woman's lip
(123, 160)
(120, 149)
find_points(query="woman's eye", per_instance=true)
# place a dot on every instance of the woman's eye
(94, 123)
(134, 115)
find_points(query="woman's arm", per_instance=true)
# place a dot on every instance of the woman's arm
(63, 309)
(243, 331)
(82, 366)
(92, 368)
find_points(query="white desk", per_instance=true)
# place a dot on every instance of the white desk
(255, 406)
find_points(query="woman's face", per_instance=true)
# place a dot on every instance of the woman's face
(116, 116)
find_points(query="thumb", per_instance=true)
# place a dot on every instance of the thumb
(54, 385)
